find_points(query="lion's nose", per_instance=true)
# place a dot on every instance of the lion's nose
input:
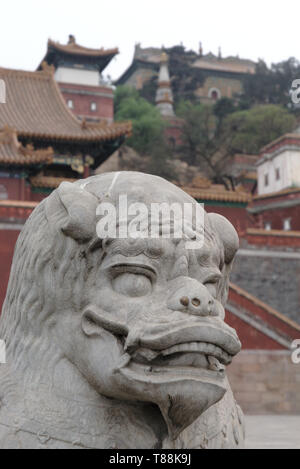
(193, 298)
(200, 303)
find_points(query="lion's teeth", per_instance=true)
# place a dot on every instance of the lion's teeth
(214, 364)
(200, 347)
(169, 351)
(124, 360)
(194, 347)
(146, 354)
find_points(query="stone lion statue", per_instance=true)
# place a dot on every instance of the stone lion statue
(117, 342)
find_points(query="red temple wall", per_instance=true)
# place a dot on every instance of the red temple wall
(174, 134)
(263, 312)
(277, 216)
(8, 240)
(238, 216)
(82, 102)
(37, 196)
(13, 188)
(268, 239)
(18, 189)
(251, 338)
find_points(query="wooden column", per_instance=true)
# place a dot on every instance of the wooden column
(87, 169)
(22, 184)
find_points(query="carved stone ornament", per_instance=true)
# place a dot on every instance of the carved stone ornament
(117, 342)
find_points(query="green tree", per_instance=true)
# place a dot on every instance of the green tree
(205, 143)
(270, 85)
(121, 93)
(213, 134)
(254, 128)
(222, 108)
(147, 123)
(147, 129)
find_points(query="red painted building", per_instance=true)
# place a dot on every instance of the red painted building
(8, 238)
(45, 122)
(277, 210)
(277, 203)
(78, 72)
(18, 164)
(232, 204)
(42, 144)
(273, 238)
(13, 215)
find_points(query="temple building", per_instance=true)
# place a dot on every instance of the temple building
(277, 203)
(79, 74)
(35, 110)
(232, 204)
(19, 164)
(223, 76)
(42, 143)
(207, 77)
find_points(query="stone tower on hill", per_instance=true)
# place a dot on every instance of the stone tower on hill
(164, 95)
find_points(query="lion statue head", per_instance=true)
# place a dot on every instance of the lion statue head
(118, 341)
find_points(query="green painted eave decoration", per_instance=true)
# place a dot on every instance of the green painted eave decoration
(221, 203)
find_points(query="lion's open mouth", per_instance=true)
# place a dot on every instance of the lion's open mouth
(192, 354)
(206, 345)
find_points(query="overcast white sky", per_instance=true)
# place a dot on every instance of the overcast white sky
(253, 29)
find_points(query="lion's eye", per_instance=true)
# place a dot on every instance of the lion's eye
(212, 288)
(132, 279)
(132, 284)
(212, 285)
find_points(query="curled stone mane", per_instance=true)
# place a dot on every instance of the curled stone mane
(40, 264)
(58, 290)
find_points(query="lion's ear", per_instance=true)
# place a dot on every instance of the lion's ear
(230, 241)
(73, 211)
(227, 235)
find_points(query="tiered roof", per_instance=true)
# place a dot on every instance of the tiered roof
(283, 192)
(36, 109)
(272, 149)
(150, 57)
(207, 61)
(227, 64)
(202, 189)
(72, 52)
(48, 182)
(76, 49)
(293, 138)
(12, 152)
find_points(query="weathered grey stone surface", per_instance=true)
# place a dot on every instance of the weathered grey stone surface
(117, 343)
